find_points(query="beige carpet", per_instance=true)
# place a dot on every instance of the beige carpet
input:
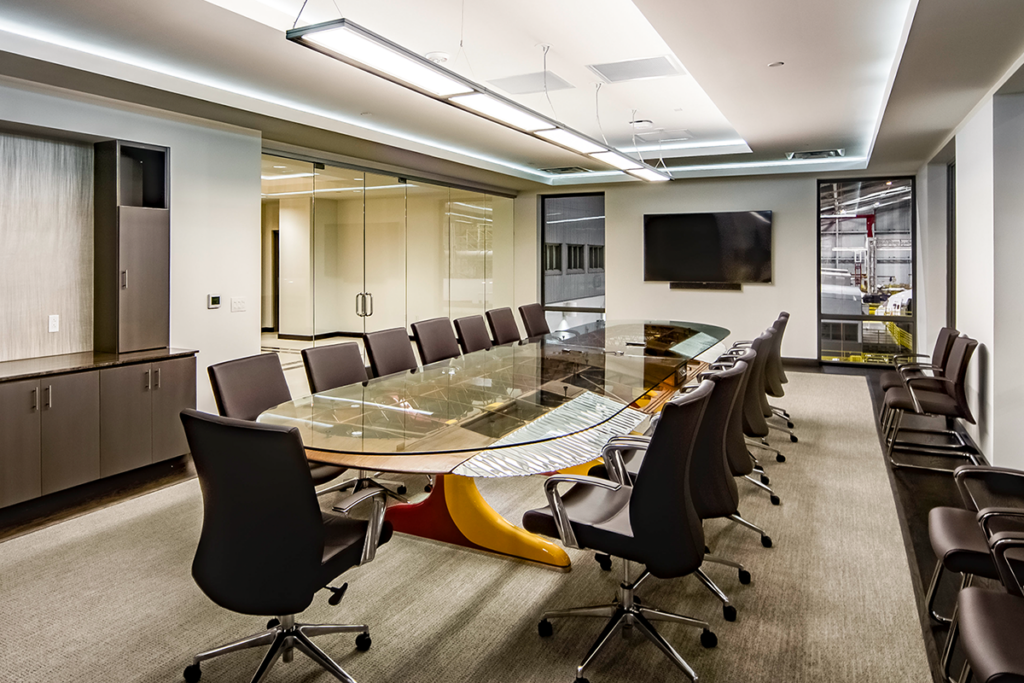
(109, 597)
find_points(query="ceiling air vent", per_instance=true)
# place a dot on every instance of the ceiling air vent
(530, 83)
(565, 170)
(663, 136)
(817, 154)
(636, 69)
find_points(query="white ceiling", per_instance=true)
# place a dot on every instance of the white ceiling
(841, 63)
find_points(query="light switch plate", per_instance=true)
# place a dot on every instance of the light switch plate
(54, 323)
(238, 304)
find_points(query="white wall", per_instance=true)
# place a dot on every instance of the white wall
(975, 283)
(747, 313)
(930, 297)
(296, 278)
(1008, 286)
(215, 212)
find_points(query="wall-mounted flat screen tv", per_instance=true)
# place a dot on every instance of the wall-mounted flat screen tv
(726, 247)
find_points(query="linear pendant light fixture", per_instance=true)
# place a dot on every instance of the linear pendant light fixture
(351, 43)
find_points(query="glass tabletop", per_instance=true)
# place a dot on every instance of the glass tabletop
(487, 399)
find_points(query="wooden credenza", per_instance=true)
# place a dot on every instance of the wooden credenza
(68, 420)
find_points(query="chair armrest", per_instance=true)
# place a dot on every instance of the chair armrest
(741, 343)
(986, 516)
(909, 381)
(376, 522)
(612, 455)
(565, 532)
(1008, 481)
(899, 356)
(998, 546)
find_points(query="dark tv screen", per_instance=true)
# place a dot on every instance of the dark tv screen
(727, 247)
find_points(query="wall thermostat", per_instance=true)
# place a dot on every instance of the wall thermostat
(213, 300)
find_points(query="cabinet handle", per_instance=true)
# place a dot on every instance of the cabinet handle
(35, 400)
(370, 297)
(158, 378)
(148, 380)
(49, 395)
(124, 279)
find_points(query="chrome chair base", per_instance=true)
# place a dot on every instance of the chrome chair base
(284, 638)
(626, 612)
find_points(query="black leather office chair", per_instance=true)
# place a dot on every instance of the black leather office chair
(649, 523)
(389, 351)
(775, 373)
(339, 365)
(333, 365)
(503, 326)
(435, 340)
(950, 404)
(534, 322)
(714, 490)
(472, 334)
(754, 401)
(266, 548)
(245, 387)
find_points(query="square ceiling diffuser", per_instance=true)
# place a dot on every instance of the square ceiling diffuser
(525, 84)
(637, 69)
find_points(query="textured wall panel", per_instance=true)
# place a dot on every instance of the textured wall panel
(46, 242)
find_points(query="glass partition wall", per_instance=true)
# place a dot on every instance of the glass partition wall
(866, 259)
(347, 252)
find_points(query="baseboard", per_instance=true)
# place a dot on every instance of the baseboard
(267, 329)
(322, 335)
(801, 362)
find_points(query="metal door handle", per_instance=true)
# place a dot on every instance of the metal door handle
(370, 296)
(359, 307)
(49, 395)
(124, 279)
(147, 380)
(35, 400)
(158, 378)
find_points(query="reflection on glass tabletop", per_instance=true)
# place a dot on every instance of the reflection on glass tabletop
(469, 403)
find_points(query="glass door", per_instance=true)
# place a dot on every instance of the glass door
(866, 263)
(337, 253)
(384, 249)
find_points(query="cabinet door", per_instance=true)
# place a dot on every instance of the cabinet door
(126, 418)
(19, 453)
(70, 419)
(144, 271)
(174, 389)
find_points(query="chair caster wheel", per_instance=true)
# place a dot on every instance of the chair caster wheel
(729, 612)
(775, 499)
(401, 490)
(192, 673)
(272, 623)
(744, 577)
(605, 561)
(765, 480)
(582, 680)
(780, 458)
(428, 488)
(766, 541)
(545, 629)
(708, 639)
(363, 642)
(792, 437)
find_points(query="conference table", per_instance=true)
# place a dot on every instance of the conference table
(538, 406)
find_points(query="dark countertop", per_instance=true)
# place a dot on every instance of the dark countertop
(28, 368)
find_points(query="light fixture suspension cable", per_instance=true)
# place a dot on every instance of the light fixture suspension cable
(300, 13)
(597, 112)
(546, 48)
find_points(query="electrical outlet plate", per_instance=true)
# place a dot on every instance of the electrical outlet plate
(237, 304)
(54, 323)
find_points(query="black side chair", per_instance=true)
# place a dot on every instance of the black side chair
(435, 340)
(472, 333)
(534, 322)
(334, 365)
(389, 351)
(338, 365)
(245, 387)
(921, 372)
(503, 326)
(951, 404)
(266, 548)
(989, 622)
(653, 522)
